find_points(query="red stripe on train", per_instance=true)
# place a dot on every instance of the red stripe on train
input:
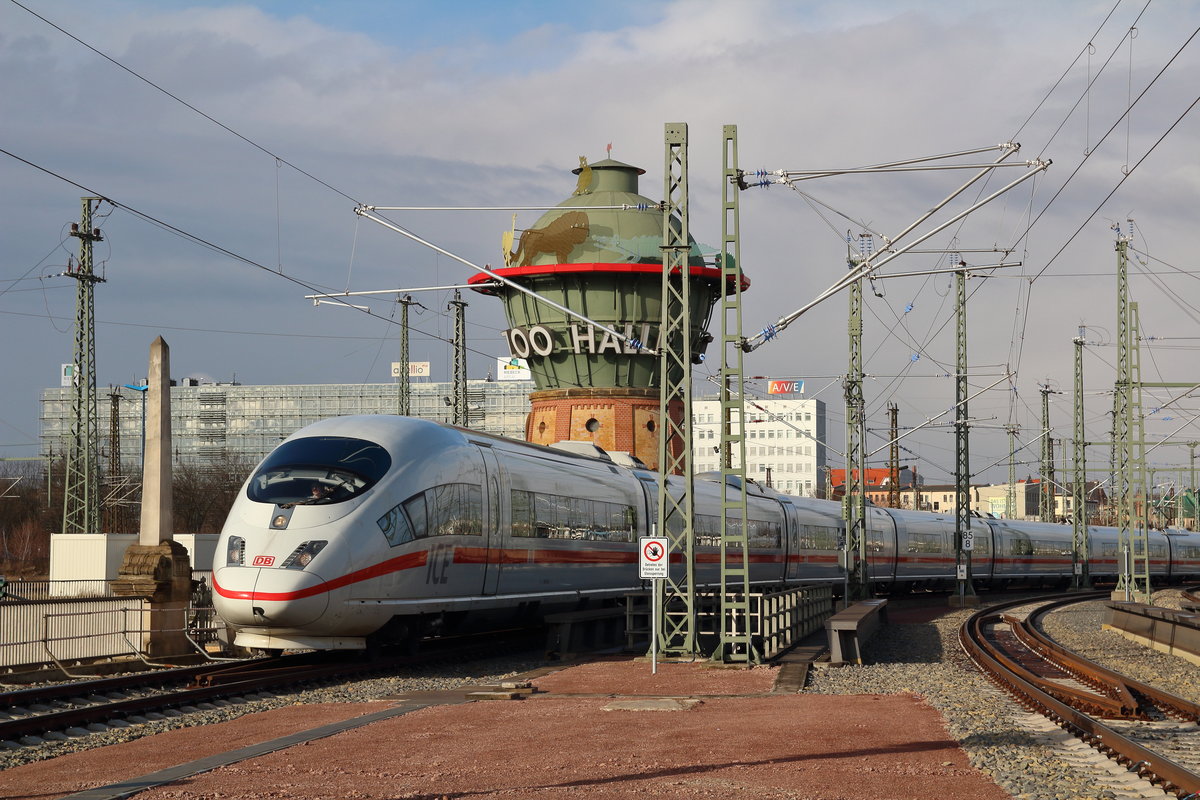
(409, 561)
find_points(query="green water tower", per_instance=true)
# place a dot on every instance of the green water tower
(599, 254)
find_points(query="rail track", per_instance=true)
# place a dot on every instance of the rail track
(29, 717)
(1151, 732)
(1191, 599)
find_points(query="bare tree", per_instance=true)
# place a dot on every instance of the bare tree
(25, 521)
(203, 493)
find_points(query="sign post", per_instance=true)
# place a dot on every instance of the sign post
(652, 566)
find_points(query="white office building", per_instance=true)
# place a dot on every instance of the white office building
(214, 421)
(784, 442)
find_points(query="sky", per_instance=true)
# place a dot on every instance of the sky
(235, 140)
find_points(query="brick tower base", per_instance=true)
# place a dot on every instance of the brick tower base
(615, 419)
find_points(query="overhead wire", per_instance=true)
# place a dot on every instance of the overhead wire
(1126, 174)
(278, 160)
(201, 241)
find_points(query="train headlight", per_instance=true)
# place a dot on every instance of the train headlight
(237, 552)
(303, 555)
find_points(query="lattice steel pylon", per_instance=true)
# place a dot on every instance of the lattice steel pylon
(964, 539)
(1010, 496)
(894, 456)
(676, 501)
(1125, 434)
(112, 509)
(459, 402)
(1046, 490)
(1139, 567)
(403, 381)
(1081, 577)
(81, 490)
(736, 643)
(854, 502)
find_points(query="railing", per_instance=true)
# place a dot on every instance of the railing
(70, 629)
(778, 618)
(787, 617)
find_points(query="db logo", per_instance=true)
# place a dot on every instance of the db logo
(264, 561)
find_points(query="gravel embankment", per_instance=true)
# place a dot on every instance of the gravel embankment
(1001, 738)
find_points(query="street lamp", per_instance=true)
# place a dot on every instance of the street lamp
(142, 390)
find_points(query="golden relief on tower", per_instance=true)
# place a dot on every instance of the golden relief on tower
(584, 184)
(559, 238)
(506, 241)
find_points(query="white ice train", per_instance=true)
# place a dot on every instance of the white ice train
(392, 526)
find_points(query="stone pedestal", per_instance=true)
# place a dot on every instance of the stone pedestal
(163, 574)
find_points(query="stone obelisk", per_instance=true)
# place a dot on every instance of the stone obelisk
(158, 567)
(157, 510)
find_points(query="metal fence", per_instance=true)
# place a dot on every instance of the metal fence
(70, 629)
(47, 590)
(44, 622)
(778, 618)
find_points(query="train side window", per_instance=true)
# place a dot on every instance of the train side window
(1019, 544)
(983, 541)
(582, 519)
(708, 530)
(522, 513)
(622, 520)
(415, 507)
(548, 516)
(764, 535)
(544, 515)
(820, 537)
(455, 509)
(395, 527)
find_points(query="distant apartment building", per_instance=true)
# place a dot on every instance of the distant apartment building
(785, 442)
(213, 422)
(877, 483)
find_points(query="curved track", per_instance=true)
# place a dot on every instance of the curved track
(1076, 693)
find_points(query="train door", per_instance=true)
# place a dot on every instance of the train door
(881, 545)
(496, 497)
(791, 541)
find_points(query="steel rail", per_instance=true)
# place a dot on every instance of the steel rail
(1191, 598)
(69, 690)
(1147, 764)
(1090, 670)
(212, 682)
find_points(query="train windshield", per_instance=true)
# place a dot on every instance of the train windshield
(319, 470)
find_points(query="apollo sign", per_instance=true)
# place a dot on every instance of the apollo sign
(539, 340)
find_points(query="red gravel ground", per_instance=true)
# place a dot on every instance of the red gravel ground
(554, 745)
